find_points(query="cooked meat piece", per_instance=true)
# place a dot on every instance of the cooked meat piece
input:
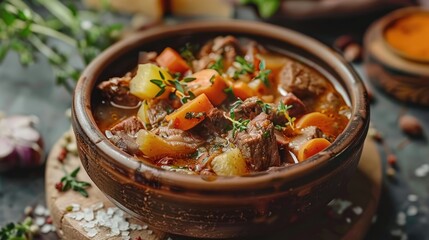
(125, 142)
(306, 134)
(221, 42)
(299, 79)
(251, 49)
(180, 137)
(206, 49)
(157, 111)
(249, 109)
(130, 126)
(215, 122)
(147, 57)
(202, 63)
(258, 144)
(117, 91)
(298, 107)
(227, 46)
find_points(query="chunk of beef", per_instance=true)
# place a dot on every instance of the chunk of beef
(124, 142)
(301, 80)
(130, 126)
(222, 46)
(157, 111)
(147, 57)
(249, 109)
(123, 134)
(252, 49)
(305, 135)
(214, 123)
(298, 107)
(258, 144)
(117, 90)
(179, 137)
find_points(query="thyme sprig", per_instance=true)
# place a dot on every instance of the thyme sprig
(283, 109)
(266, 108)
(180, 87)
(69, 181)
(24, 31)
(263, 73)
(218, 65)
(240, 124)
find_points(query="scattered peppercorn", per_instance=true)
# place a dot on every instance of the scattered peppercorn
(62, 155)
(410, 125)
(59, 186)
(392, 160)
(343, 41)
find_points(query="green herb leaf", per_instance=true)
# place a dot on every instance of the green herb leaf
(263, 74)
(69, 181)
(266, 108)
(218, 65)
(189, 79)
(246, 66)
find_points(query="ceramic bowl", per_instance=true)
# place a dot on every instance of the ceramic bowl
(219, 207)
(398, 74)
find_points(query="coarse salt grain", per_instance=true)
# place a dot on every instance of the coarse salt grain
(94, 217)
(348, 220)
(39, 221)
(92, 233)
(75, 207)
(88, 214)
(396, 232)
(339, 205)
(357, 210)
(422, 171)
(39, 210)
(401, 219)
(413, 198)
(412, 210)
(46, 228)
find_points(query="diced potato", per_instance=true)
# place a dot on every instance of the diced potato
(155, 146)
(274, 62)
(141, 86)
(230, 163)
(142, 114)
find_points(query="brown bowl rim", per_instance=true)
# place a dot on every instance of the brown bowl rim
(353, 134)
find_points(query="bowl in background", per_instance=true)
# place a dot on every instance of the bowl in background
(219, 207)
(402, 76)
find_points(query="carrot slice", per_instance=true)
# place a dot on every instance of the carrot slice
(320, 120)
(172, 60)
(191, 113)
(312, 147)
(209, 82)
(242, 90)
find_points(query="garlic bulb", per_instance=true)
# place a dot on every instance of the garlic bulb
(21, 144)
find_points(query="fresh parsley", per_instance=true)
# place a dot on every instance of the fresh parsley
(263, 73)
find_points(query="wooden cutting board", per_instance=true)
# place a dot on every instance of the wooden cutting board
(363, 192)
